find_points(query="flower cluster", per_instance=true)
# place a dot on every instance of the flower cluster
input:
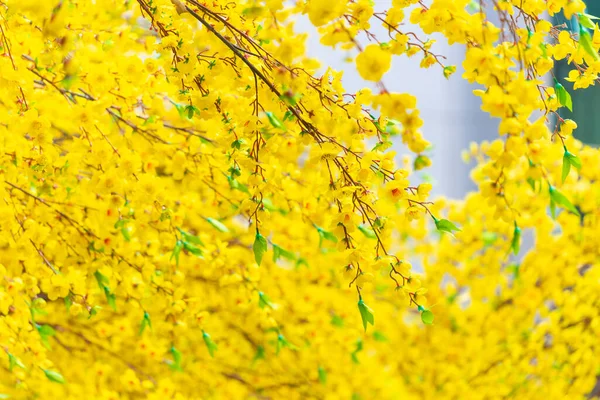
(188, 210)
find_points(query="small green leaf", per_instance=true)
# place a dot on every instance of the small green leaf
(380, 337)
(188, 237)
(427, 317)
(94, 311)
(264, 301)
(54, 376)
(14, 362)
(489, 238)
(260, 354)
(324, 235)
(111, 299)
(192, 249)
(557, 197)
(210, 345)
(145, 323)
(443, 225)
(515, 244)
(338, 321)
(283, 342)
(368, 232)
(566, 168)
(366, 314)
(176, 364)
(259, 247)
(322, 375)
(176, 251)
(585, 41)
(564, 97)
(275, 121)
(575, 161)
(217, 225)
(586, 21)
(279, 251)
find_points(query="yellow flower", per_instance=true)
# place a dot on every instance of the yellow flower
(373, 62)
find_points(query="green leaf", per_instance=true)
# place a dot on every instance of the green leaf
(380, 337)
(443, 225)
(560, 199)
(275, 121)
(366, 314)
(192, 249)
(586, 21)
(278, 252)
(188, 237)
(176, 364)
(368, 232)
(515, 244)
(176, 251)
(324, 235)
(264, 301)
(322, 375)
(111, 299)
(585, 41)
(259, 247)
(210, 345)
(566, 168)
(489, 238)
(382, 146)
(145, 323)
(234, 184)
(575, 161)
(54, 376)
(427, 317)
(217, 225)
(354, 354)
(283, 342)
(260, 354)
(564, 97)
(552, 208)
(94, 311)
(338, 321)
(569, 159)
(14, 362)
